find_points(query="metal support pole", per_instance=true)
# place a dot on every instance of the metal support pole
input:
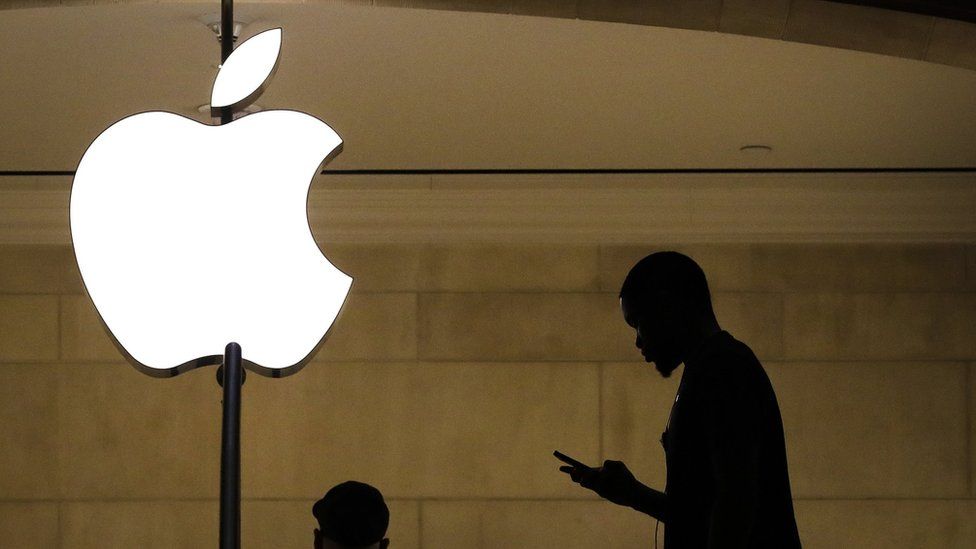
(226, 46)
(230, 448)
(233, 373)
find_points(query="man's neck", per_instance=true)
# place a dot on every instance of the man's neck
(698, 338)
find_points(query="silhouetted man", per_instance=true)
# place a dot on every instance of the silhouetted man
(351, 515)
(727, 480)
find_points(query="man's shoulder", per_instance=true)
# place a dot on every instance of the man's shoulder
(730, 363)
(725, 352)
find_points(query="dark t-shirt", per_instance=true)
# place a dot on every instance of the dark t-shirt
(725, 427)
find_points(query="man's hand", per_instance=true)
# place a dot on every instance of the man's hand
(613, 482)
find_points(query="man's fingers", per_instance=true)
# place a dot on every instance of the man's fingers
(590, 478)
(571, 471)
(587, 477)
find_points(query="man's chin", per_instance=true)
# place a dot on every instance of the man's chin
(666, 367)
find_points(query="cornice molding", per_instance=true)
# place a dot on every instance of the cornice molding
(819, 207)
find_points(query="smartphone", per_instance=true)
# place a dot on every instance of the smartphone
(568, 460)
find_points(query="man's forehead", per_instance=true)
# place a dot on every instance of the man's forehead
(630, 310)
(642, 305)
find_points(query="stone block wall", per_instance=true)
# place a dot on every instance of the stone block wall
(454, 372)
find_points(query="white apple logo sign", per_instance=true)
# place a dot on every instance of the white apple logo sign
(190, 236)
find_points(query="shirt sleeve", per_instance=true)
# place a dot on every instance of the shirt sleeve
(733, 427)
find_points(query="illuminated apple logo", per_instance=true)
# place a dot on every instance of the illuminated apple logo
(191, 236)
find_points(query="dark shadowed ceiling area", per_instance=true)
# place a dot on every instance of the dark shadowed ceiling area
(963, 10)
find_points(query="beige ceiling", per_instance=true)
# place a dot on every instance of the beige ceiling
(441, 89)
(896, 31)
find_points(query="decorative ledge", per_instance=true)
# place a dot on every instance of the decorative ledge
(821, 207)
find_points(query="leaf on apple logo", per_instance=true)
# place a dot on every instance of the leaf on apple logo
(246, 72)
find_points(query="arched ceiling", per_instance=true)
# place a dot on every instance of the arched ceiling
(413, 89)
(420, 89)
(940, 31)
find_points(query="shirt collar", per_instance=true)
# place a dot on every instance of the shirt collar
(707, 346)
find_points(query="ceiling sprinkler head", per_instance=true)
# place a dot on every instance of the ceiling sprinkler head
(756, 149)
(213, 23)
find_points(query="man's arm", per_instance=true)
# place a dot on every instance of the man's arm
(733, 437)
(615, 483)
(733, 516)
(651, 502)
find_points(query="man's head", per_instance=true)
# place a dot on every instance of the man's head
(351, 515)
(665, 298)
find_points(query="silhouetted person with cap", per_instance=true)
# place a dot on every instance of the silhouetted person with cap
(351, 515)
(727, 479)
